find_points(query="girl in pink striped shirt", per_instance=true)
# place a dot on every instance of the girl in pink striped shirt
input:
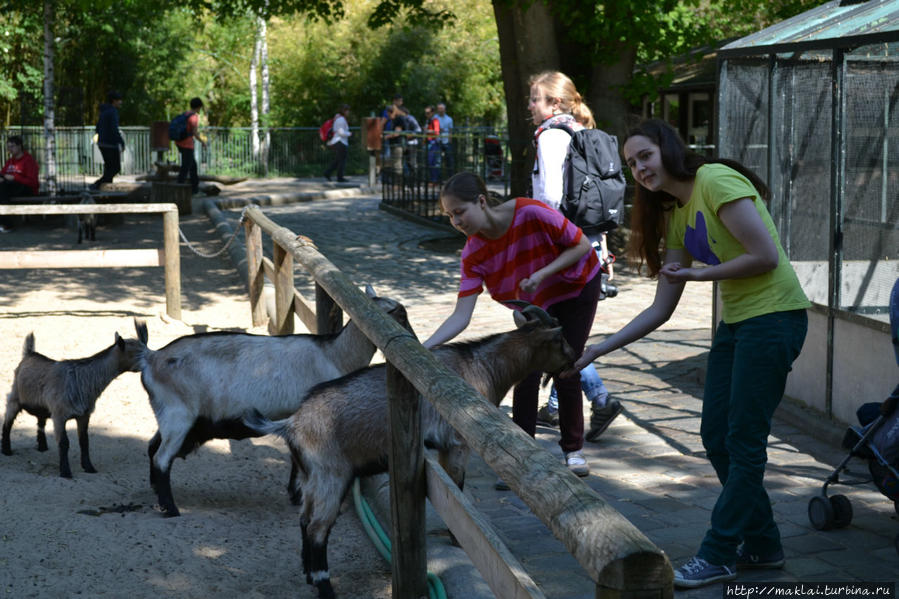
(523, 249)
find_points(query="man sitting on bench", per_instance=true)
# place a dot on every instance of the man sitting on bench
(18, 177)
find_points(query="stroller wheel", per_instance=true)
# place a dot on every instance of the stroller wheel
(896, 507)
(896, 543)
(820, 512)
(842, 511)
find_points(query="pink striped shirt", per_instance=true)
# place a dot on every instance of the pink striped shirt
(536, 237)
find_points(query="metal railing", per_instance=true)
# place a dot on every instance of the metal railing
(412, 175)
(293, 151)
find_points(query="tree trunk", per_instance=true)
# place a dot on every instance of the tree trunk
(49, 105)
(610, 108)
(263, 60)
(527, 45)
(254, 101)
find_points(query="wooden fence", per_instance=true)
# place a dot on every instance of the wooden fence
(169, 256)
(614, 553)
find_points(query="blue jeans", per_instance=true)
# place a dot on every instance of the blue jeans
(591, 384)
(745, 380)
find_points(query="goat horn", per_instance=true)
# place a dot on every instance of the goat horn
(532, 312)
(540, 314)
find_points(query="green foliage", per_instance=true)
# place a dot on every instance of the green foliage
(661, 30)
(320, 66)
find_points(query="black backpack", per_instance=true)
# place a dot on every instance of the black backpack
(178, 127)
(593, 187)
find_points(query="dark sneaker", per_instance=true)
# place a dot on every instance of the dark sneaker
(501, 485)
(547, 417)
(772, 561)
(600, 419)
(577, 463)
(697, 573)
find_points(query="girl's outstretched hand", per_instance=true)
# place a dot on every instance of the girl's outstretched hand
(586, 358)
(674, 272)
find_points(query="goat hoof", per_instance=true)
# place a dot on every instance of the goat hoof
(90, 469)
(42, 447)
(66, 474)
(170, 512)
(7, 452)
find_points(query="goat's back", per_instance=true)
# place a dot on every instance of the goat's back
(222, 374)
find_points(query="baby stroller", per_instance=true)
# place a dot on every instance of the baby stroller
(876, 440)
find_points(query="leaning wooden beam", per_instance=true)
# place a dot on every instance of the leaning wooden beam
(501, 570)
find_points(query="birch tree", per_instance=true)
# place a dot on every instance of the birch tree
(49, 104)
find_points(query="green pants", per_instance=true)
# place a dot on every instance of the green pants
(747, 372)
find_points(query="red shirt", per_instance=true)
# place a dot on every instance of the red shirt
(433, 128)
(537, 235)
(193, 121)
(24, 170)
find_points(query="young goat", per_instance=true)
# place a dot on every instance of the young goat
(201, 385)
(342, 427)
(67, 389)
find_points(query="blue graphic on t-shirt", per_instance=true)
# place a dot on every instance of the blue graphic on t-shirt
(697, 242)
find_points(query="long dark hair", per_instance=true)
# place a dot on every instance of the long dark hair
(649, 208)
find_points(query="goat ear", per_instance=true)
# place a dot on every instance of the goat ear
(119, 341)
(518, 318)
(370, 291)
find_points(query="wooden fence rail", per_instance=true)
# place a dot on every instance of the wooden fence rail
(169, 256)
(614, 553)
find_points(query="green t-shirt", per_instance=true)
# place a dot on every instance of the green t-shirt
(697, 229)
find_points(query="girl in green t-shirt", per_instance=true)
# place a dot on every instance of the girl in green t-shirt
(714, 212)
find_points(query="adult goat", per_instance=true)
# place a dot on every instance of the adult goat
(342, 427)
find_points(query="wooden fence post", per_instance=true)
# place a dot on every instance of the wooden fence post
(407, 489)
(255, 273)
(283, 262)
(172, 264)
(328, 315)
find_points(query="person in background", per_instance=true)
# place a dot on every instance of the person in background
(413, 138)
(18, 177)
(524, 250)
(109, 139)
(340, 143)
(186, 146)
(446, 139)
(432, 127)
(555, 103)
(714, 211)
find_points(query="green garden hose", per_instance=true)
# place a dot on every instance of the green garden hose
(376, 533)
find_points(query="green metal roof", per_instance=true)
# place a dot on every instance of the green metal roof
(835, 24)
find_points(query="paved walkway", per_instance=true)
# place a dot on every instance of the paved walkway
(650, 463)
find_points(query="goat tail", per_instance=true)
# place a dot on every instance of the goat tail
(256, 421)
(28, 348)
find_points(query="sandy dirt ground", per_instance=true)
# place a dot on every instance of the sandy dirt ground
(99, 535)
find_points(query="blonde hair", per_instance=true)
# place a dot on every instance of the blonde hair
(558, 86)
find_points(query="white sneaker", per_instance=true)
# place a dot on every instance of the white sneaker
(577, 463)
(5, 229)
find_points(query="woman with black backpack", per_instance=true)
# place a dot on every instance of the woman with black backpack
(558, 110)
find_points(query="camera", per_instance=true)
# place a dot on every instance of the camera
(606, 289)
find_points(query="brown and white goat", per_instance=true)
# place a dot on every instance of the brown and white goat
(342, 429)
(200, 386)
(66, 389)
